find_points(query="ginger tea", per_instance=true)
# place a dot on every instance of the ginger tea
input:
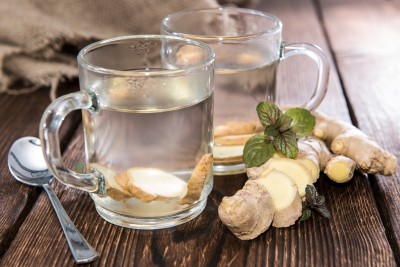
(147, 156)
(243, 79)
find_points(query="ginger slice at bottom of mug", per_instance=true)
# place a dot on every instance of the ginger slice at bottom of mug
(198, 179)
(150, 184)
(228, 154)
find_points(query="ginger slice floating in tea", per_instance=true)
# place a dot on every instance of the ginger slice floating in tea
(197, 180)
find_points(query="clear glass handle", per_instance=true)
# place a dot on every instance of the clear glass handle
(49, 128)
(315, 53)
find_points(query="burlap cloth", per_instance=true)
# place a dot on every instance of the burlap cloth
(40, 39)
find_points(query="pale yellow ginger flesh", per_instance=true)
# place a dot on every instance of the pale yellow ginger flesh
(285, 197)
(315, 155)
(340, 169)
(230, 138)
(228, 154)
(249, 212)
(238, 128)
(149, 184)
(345, 139)
(294, 169)
(197, 180)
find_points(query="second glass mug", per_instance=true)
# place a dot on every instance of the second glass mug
(148, 123)
(248, 46)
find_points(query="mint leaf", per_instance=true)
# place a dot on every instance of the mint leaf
(286, 143)
(314, 202)
(284, 123)
(257, 151)
(271, 132)
(305, 215)
(303, 121)
(268, 113)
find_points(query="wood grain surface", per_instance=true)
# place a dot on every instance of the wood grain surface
(355, 236)
(368, 56)
(20, 116)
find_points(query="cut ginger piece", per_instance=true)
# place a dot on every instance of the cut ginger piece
(294, 169)
(228, 154)
(285, 197)
(149, 184)
(232, 140)
(249, 212)
(197, 180)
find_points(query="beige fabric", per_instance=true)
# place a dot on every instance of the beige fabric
(40, 39)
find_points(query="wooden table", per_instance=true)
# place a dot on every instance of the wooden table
(362, 40)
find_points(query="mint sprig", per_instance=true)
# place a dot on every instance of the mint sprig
(281, 131)
(313, 202)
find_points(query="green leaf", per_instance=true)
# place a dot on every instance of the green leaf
(303, 121)
(286, 143)
(257, 151)
(310, 191)
(268, 113)
(324, 212)
(305, 215)
(284, 123)
(271, 132)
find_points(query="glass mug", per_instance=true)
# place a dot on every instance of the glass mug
(248, 47)
(147, 115)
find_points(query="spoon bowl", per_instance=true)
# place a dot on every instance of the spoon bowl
(26, 162)
(27, 165)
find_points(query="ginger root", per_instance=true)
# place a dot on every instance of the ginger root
(249, 212)
(285, 196)
(340, 169)
(315, 155)
(294, 169)
(273, 198)
(345, 139)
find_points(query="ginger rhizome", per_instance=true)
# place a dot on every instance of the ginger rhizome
(249, 212)
(279, 175)
(273, 198)
(315, 155)
(345, 139)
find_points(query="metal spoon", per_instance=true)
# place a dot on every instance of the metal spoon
(27, 165)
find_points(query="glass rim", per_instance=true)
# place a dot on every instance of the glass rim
(115, 40)
(271, 30)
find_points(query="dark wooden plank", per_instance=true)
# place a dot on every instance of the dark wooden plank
(368, 59)
(20, 116)
(354, 237)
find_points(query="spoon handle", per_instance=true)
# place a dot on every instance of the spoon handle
(80, 248)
